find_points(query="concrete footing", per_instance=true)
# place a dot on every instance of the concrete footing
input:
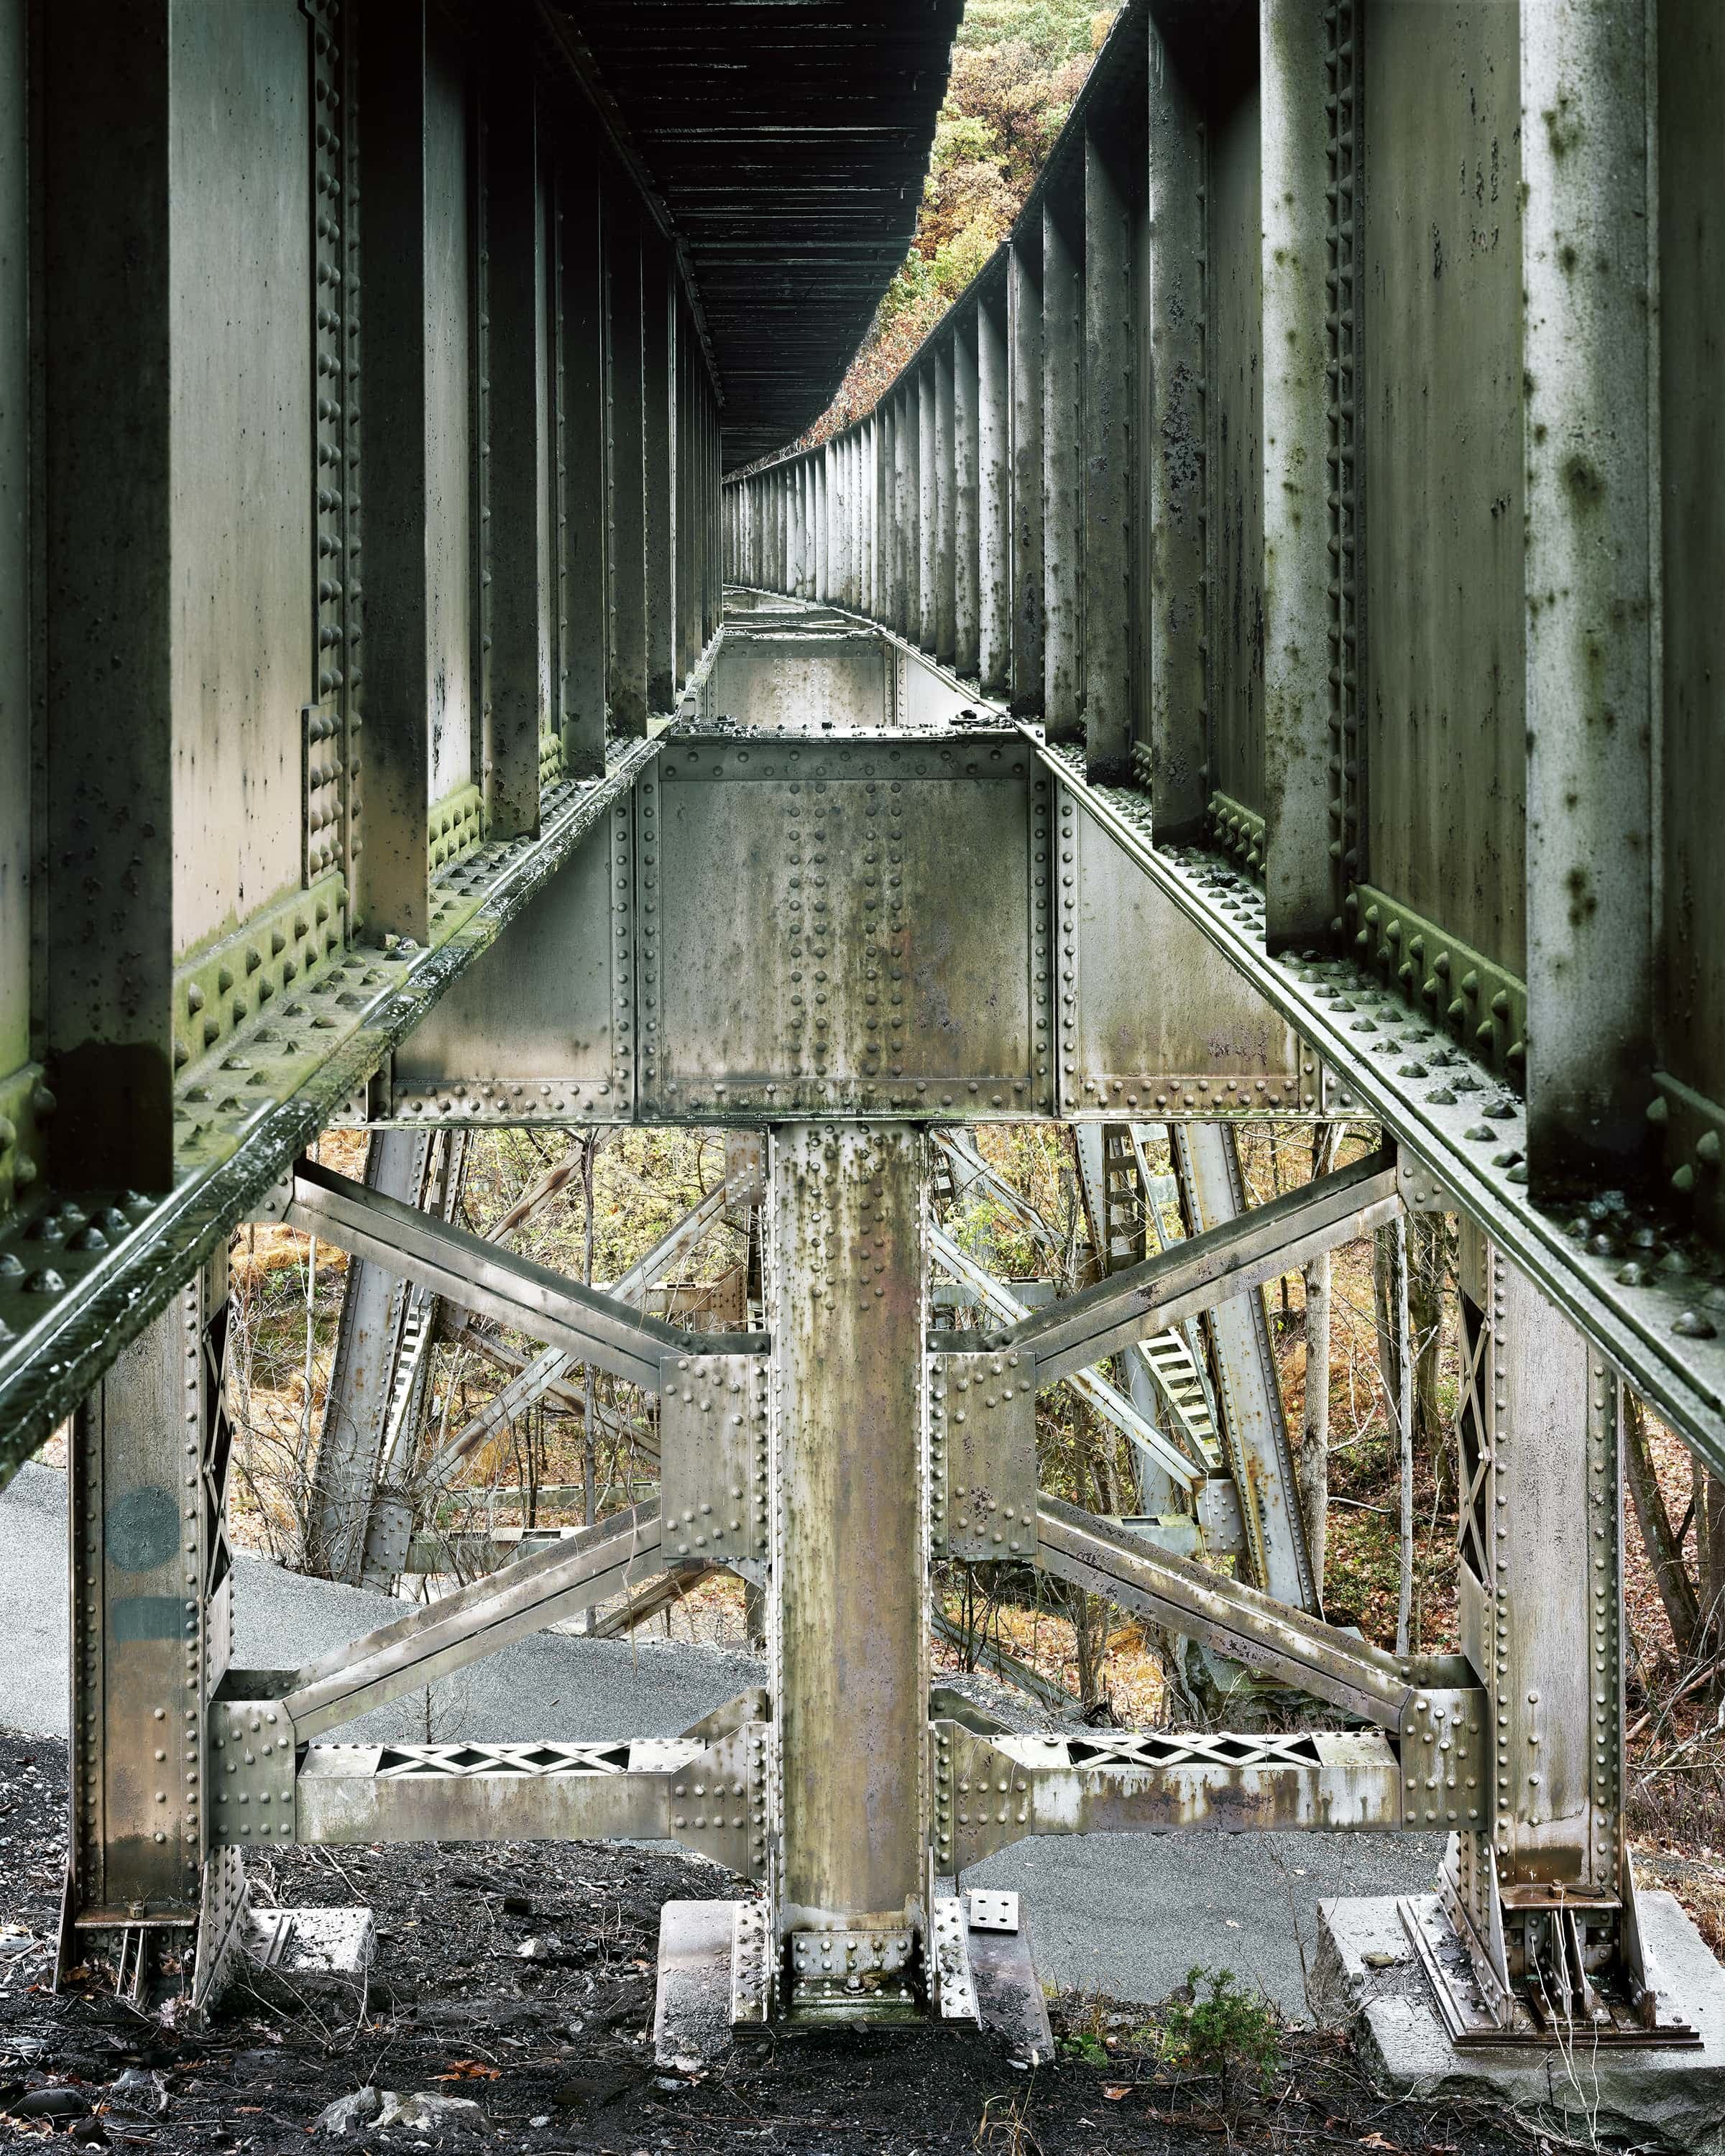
(1367, 1974)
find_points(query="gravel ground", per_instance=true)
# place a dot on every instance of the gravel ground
(1120, 1914)
(549, 2052)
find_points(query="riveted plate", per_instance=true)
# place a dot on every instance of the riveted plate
(906, 875)
(1153, 1019)
(982, 1453)
(251, 1772)
(540, 1029)
(712, 1437)
(989, 1912)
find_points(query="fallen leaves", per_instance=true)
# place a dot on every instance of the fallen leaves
(469, 2070)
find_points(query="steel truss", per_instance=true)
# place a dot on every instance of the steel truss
(849, 1445)
(900, 903)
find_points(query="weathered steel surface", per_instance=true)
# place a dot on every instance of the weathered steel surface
(875, 995)
(644, 1789)
(1255, 1427)
(368, 1342)
(851, 1634)
(1236, 1620)
(152, 1615)
(522, 1038)
(1444, 708)
(993, 1791)
(1150, 1020)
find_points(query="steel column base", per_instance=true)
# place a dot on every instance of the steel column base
(716, 1979)
(1668, 2088)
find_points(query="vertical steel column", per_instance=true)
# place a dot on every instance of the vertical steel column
(104, 194)
(582, 337)
(1062, 477)
(1025, 342)
(1588, 230)
(818, 487)
(850, 1562)
(520, 456)
(394, 881)
(1539, 1586)
(903, 511)
(941, 633)
(1294, 77)
(832, 457)
(967, 608)
(927, 497)
(1255, 1429)
(993, 409)
(1110, 466)
(1175, 448)
(152, 1623)
(627, 571)
(362, 1376)
(658, 376)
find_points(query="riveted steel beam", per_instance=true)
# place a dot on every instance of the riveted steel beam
(992, 1791)
(1107, 1401)
(1195, 1275)
(1452, 1117)
(305, 1060)
(710, 1797)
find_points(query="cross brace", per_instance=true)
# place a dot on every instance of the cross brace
(1195, 1275)
(500, 1284)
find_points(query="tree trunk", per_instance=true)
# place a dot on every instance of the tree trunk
(1399, 1384)
(1314, 1460)
(1428, 1267)
(1710, 1556)
(1676, 1591)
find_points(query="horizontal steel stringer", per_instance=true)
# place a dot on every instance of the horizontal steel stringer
(510, 1605)
(1268, 1635)
(469, 1270)
(1205, 1269)
(993, 1789)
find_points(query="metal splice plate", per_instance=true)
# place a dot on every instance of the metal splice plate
(992, 1913)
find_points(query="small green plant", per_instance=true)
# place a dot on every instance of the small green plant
(1081, 2044)
(1210, 2027)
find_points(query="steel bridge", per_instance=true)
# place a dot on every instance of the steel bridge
(1258, 660)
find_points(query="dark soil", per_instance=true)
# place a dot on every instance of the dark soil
(557, 2051)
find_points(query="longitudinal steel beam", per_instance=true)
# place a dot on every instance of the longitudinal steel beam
(323, 1046)
(1195, 1275)
(462, 1628)
(500, 1284)
(1324, 1781)
(1465, 1143)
